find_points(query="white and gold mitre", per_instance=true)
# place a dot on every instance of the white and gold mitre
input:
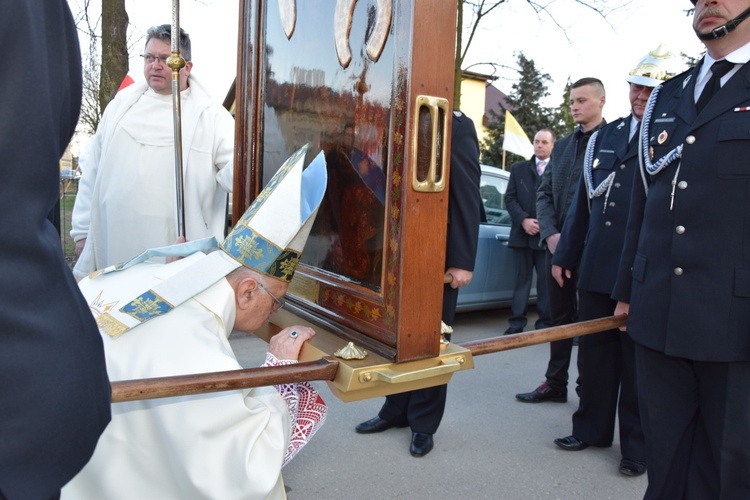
(271, 234)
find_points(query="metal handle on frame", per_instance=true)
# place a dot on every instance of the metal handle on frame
(395, 377)
(434, 181)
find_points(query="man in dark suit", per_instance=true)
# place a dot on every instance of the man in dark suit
(528, 252)
(594, 231)
(555, 192)
(422, 410)
(54, 396)
(685, 269)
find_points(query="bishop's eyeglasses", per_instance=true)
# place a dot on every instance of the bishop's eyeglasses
(279, 303)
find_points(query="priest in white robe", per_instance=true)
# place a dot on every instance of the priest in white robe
(126, 196)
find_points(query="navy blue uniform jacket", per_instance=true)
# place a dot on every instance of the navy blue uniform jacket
(602, 229)
(465, 208)
(690, 294)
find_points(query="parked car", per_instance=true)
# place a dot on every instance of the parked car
(67, 174)
(492, 283)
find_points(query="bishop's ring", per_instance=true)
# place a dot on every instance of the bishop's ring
(294, 334)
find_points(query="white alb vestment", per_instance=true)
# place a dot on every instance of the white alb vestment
(223, 445)
(126, 197)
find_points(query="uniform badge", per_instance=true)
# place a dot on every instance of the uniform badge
(651, 153)
(596, 163)
(662, 137)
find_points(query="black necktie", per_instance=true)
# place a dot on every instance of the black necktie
(634, 140)
(718, 69)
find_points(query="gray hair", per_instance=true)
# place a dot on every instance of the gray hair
(241, 273)
(164, 33)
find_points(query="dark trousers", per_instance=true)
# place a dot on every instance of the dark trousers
(607, 361)
(422, 410)
(526, 260)
(563, 310)
(696, 418)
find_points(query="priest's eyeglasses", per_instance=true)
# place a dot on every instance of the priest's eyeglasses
(279, 303)
(150, 58)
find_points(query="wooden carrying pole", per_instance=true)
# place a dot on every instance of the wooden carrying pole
(507, 342)
(325, 368)
(201, 383)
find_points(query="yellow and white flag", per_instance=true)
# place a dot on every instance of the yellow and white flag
(516, 141)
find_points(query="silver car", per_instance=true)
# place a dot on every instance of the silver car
(492, 283)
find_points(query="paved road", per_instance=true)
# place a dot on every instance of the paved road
(488, 445)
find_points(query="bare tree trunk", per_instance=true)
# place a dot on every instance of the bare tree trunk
(114, 49)
(457, 71)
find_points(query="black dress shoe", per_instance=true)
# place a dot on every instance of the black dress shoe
(421, 444)
(571, 443)
(632, 467)
(543, 393)
(511, 330)
(376, 424)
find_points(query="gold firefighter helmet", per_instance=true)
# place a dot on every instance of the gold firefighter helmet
(653, 69)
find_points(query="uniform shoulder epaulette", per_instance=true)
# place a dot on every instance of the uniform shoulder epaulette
(619, 123)
(684, 73)
(681, 79)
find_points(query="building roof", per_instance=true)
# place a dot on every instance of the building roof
(478, 76)
(495, 100)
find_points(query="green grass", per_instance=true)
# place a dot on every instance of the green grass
(68, 191)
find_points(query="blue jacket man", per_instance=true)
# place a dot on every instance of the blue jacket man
(685, 270)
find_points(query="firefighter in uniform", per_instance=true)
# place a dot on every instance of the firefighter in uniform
(685, 271)
(594, 231)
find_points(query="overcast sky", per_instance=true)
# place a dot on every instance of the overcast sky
(583, 45)
(212, 25)
(587, 46)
